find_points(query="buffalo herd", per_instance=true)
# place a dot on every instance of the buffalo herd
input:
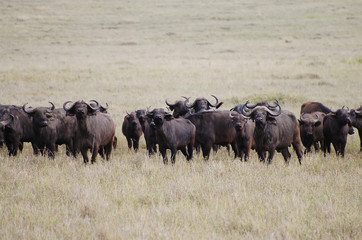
(182, 125)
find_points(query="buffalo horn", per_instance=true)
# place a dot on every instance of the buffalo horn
(64, 106)
(217, 101)
(52, 108)
(273, 112)
(96, 107)
(28, 110)
(246, 106)
(169, 104)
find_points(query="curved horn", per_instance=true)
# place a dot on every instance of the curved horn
(246, 106)
(96, 107)
(106, 107)
(231, 116)
(273, 112)
(52, 108)
(302, 117)
(217, 101)
(359, 111)
(28, 110)
(64, 106)
(169, 104)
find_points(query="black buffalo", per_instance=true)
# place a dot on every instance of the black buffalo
(95, 129)
(213, 127)
(172, 133)
(335, 131)
(311, 130)
(275, 129)
(52, 127)
(18, 130)
(132, 130)
(356, 118)
(148, 132)
(244, 134)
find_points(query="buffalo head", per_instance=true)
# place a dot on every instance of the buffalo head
(308, 122)
(179, 108)
(158, 116)
(40, 115)
(202, 104)
(354, 114)
(342, 116)
(81, 109)
(261, 113)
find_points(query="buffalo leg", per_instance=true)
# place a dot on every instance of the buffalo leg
(135, 144)
(129, 142)
(271, 153)
(94, 153)
(286, 154)
(163, 153)
(173, 155)
(184, 152)
(108, 150)
(190, 150)
(235, 149)
(206, 148)
(298, 149)
(85, 155)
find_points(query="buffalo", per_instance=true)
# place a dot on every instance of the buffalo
(275, 129)
(311, 130)
(52, 127)
(213, 127)
(132, 130)
(356, 118)
(148, 132)
(172, 133)
(335, 131)
(18, 130)
(244, 134)
(95, 129)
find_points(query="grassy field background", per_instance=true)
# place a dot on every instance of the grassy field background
(135, 54)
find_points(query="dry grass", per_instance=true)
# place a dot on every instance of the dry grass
(134, 54)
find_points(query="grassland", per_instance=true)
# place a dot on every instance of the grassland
(135, 54)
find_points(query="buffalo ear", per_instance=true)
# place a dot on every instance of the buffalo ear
(316, 124)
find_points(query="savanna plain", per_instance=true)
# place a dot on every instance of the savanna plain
(135, 54)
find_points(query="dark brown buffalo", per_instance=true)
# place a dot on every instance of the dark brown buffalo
(52, 128)
(275, 129)
(311, 130)
(132, 130)
(310, 107)
(18, 131)
(148, 132)
(244, 134)
(335, 131)
(95, 129)
(356, 118)
(172, 133)
(213, 127)
(202, 104)
(179, 107)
